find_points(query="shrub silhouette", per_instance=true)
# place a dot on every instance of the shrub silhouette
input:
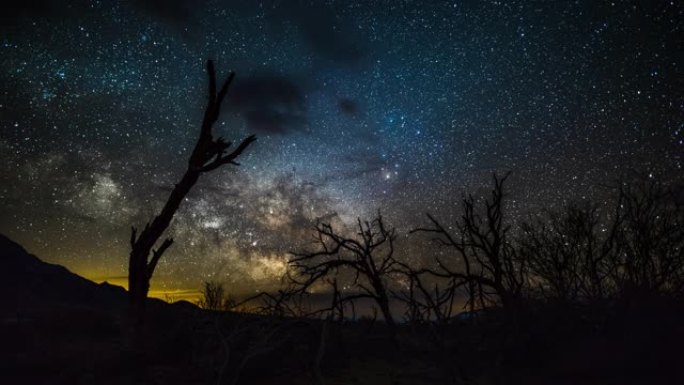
(636, 248)
(369, 257)
(484, 258)
(214, 297)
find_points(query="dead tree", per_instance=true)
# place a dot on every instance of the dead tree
(652, 239)
(286, 302)
(368, 258)
(484, 259)
(570, 254)
(208, 155)
(424, 303)
(585, 255)
(214, 297)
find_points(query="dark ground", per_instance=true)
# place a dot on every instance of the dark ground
(59, 328)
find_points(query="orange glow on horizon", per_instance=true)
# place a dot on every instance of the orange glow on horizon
(168, 295)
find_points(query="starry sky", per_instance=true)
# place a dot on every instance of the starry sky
(358, 106)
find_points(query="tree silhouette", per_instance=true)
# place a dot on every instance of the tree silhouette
(569, 258)
(208, 154)
(368, 257)
(485, 260)
(214, 297)
(584, 255)
(652, 239)
(426, 303)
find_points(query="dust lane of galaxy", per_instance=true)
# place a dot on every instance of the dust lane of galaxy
(359, 106)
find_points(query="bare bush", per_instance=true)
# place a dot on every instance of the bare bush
(635, 247)
(214, 297)
(426, 302)
(652, 239)
(368, 257)
(571, 254)
(484, 260)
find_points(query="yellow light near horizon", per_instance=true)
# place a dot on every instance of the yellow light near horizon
(168, 295)
(172, 296)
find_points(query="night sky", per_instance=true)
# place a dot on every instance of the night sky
(358, 106)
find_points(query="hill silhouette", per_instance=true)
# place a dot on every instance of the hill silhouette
(31, 282)
(58, 327)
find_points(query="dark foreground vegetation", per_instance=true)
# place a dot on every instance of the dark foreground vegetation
(592, 294)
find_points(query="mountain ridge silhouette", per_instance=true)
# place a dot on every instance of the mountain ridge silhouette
(28, 281)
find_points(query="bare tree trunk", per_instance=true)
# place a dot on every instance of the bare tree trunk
(139, 270)
(383, 302)
(208, 154)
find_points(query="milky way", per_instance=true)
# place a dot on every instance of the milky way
(358, 106)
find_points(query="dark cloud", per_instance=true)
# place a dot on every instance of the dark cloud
(16, 8)
(269, 104)
(15, 12)
(269, 88)
(179, 13)
(327, 32)
(322, 27)
(183, 14)
(348, 106)
(13, 8)
(272, 121)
